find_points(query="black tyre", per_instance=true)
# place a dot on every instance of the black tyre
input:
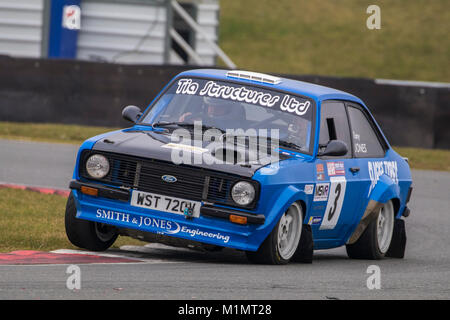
(398, 243)
(375, 241)
(87, 234)
(281, 244)
(305, 250)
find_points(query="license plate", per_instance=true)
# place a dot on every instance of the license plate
(164, 203)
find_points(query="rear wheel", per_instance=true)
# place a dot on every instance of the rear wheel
(281, 244)
(375, 241)
(87, 234)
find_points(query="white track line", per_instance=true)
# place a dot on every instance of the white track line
(126, 255)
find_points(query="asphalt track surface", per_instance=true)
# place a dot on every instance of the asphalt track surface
(162, 272)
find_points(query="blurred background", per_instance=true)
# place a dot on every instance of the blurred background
(79, 62)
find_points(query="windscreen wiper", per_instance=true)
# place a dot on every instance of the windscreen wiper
(288, 144)
(269, 140)
(165, 124)
(183, 124)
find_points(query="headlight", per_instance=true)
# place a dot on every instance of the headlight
(97, 166)
(243, 193)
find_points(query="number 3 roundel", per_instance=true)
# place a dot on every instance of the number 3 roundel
(335, 201)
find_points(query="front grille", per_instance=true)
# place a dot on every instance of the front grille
(146, 175)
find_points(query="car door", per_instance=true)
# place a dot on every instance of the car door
(337, 194)
(369, 153)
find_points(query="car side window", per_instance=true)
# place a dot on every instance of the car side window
(365, 141)
(334, 124)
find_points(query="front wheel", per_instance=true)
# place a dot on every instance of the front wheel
(87, 234)
(281, 244)
(375, 241)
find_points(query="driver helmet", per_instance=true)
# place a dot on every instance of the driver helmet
(218, 109)
(214, 107)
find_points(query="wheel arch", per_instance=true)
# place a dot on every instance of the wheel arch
(303, 206)
(385, 190)
(286, 198)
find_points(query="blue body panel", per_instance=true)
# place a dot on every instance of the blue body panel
(294, 179)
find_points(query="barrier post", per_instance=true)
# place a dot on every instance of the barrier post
(65, 21)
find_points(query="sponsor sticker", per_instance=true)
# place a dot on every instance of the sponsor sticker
(184, 147)
(309, 188)
(228, 91)
(321, 193)
(378, 168)
(319, 168)
(320, 171)
(158, 225)
(335, 168)
(314, 221)
(339, 168)
(331, 169)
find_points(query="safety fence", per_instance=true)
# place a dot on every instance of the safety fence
(413, 114)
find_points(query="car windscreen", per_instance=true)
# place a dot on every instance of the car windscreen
(231, 106)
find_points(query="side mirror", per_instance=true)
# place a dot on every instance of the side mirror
(131, 113)
(334, 148)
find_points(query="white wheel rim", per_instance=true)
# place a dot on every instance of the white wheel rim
(385, 227)
(289, 231)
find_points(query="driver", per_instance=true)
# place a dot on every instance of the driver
(298, 130)
(214, 110)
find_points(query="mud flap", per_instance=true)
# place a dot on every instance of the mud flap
(398, 242)
(304, 253)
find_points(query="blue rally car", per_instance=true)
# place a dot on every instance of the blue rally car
(271, 166)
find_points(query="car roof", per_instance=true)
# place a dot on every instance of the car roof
(311, 90)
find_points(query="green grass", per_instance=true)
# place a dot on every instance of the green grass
(34, 221)
(330, 37)
(426, 159)
(49, 132)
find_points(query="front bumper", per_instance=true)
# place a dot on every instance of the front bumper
(112, 206)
